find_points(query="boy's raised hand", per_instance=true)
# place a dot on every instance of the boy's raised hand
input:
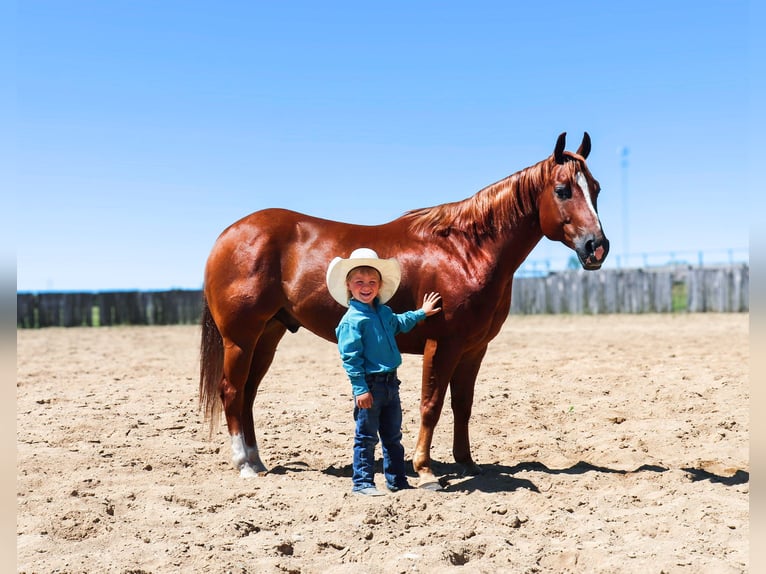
(429, 303)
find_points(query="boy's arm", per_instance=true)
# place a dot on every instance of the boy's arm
(352, 354)
(429, 303)
(406, 321)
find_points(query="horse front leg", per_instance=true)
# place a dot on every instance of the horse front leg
(461, 395)
(433, 390)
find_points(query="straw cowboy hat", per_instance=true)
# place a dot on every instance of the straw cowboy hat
(339, 268)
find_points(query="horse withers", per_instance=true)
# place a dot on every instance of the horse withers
(266, 275)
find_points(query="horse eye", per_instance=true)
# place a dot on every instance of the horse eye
(563, 192)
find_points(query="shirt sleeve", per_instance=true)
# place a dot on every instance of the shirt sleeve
(352, 354)
(404, 322)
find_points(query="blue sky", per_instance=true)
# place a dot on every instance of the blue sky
(141, 129)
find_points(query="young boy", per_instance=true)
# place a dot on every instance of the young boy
(363, 283)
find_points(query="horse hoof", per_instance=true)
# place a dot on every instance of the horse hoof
(248, 471)
(472, 469)
(433, 485)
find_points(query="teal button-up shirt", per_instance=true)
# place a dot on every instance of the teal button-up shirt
(366, 340)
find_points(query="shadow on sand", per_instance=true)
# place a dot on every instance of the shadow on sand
(500, 478)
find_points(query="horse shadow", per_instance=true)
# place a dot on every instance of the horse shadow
(501, 478)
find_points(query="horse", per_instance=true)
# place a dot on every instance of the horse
(265, 275)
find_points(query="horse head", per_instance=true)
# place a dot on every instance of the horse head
(568, 205)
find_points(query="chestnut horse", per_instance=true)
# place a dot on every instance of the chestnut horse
(266, 275)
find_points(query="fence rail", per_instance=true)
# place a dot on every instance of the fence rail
(691, 289)
(176, 307)
(680, 289)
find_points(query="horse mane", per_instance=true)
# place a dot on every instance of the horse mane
(499, 205)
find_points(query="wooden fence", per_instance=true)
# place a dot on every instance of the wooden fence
(108, 308)
(659, 290)
(687, 289)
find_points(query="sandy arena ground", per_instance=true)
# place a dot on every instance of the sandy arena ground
(612, 444)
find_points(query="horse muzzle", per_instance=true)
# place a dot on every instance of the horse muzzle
(592, 251)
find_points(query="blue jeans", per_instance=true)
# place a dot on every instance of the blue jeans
(383, 419)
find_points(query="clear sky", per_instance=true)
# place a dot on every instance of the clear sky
(143, 128)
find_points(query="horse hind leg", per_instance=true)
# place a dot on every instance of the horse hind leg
(244, 444)
(236, 366)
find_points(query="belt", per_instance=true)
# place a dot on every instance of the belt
(389, 377)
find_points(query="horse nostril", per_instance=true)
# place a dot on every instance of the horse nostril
(600, 252)
(594, 249)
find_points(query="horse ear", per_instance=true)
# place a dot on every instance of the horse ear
(584, 149)
(558, 153)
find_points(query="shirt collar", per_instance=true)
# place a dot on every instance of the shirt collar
(364, 306)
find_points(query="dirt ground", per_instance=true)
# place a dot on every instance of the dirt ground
(612, 444)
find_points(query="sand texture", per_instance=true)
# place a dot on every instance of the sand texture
(612, 444)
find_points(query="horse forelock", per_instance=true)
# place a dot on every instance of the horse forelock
(574, 156)
(576, 163)
(488, 211)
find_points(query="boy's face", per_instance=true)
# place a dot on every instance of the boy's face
(364, 285)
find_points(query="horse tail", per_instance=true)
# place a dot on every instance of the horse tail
(210, 368)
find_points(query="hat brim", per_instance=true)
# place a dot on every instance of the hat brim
(338, 269)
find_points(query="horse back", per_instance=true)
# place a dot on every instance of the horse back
(273, 263)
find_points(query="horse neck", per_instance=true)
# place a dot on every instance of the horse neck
(509, 248)
(497, 227)
(519, 242)
(518, 230)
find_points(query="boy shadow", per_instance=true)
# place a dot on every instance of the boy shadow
(495, 478)
(500, 477)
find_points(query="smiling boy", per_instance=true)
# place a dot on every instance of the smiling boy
(367, 345)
